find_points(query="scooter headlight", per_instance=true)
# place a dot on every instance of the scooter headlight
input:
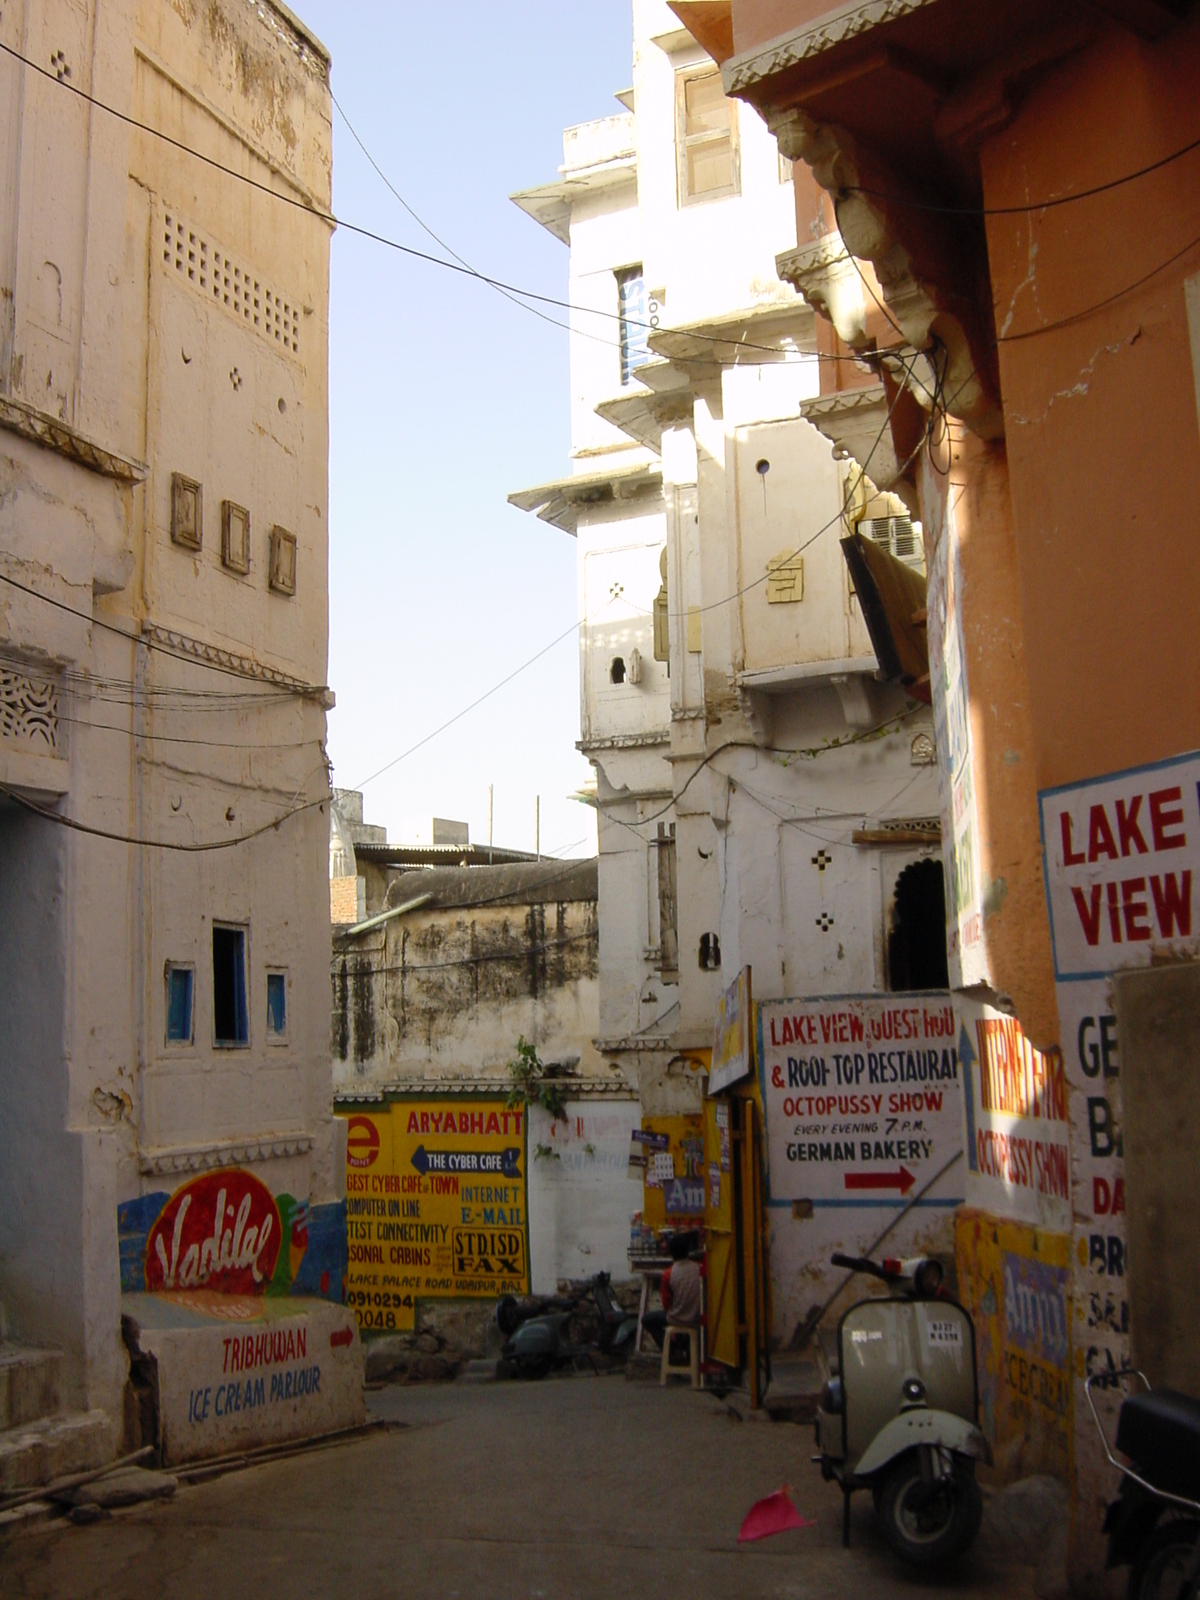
(913, 1391)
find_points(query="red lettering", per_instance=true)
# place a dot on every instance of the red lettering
(414, 1125)
(788, 1036)
(1089, 916)
(1161, 819)
(1118, 1203)
(493, 1123)
(1071, 856)
(1114, 912)
(476, 1122)
(1173, 904)
(1101, 1196)
(1137, 927)
(1100, 839)
(424, 1122)
(1127, 827)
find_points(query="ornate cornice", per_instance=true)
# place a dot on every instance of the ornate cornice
(182, 644)
(846, 22)
(225, 1153)
(40, 427)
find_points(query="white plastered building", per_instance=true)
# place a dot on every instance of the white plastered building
(796, 787)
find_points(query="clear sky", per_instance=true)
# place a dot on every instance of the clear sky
(444, 397)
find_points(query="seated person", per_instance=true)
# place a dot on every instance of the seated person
(680, 1290)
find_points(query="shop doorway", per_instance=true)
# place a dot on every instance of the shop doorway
(916, 945)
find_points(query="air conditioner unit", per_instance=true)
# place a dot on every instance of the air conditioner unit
(898, 536)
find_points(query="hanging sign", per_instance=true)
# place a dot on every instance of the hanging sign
(732, 1054)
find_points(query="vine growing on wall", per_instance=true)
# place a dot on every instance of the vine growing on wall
(533, 1083)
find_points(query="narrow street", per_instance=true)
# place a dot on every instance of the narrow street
(585, 1488)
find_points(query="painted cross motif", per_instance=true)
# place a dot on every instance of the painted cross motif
(824, 922)
(821, 860)
(615, 591)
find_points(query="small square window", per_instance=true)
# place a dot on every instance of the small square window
(235, 537)
(231, 1020)
(277, 1005)
(187, 512)
(179, 1003)
(283, 561)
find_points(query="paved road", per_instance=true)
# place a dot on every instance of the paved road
(592, 1487)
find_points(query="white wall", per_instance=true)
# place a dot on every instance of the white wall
(581, 1198)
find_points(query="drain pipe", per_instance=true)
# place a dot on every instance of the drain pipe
(386, 916)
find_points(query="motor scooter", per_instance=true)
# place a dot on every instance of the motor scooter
(1153, 1525)
(539, 1338)
(900, 1416)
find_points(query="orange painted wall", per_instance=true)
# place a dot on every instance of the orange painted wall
(1101, 419)
(973, 478)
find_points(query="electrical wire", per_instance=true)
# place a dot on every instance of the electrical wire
(280, 690)
(154, 844)
(1119, 294)
(332, 221)
(1031, 206)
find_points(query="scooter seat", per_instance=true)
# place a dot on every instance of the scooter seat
(1160, 1433)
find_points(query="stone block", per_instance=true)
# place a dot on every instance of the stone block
(53, 1447)
(29, 1385)
(234, 1375)
(462, 1328)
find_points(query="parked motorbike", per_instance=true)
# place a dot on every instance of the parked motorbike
(1153, 1525)
(900, 1416)
(538, 1337)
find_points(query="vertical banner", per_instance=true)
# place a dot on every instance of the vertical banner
(436, 1205)
(1122, 868)
(733, 1036)
(965, 946)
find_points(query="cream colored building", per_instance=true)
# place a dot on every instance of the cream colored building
(790, 787)
(164, 827)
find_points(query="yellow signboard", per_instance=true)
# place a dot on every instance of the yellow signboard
(436, 1205)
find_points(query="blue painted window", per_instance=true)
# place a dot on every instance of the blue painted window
(231, 1022)
(179, 1005)
(276, 1004)
(635, 324)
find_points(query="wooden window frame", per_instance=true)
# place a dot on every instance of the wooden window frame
(684, 76)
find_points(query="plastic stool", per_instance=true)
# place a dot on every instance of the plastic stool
(692, 1335)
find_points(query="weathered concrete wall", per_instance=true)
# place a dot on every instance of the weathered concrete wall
(447, 992)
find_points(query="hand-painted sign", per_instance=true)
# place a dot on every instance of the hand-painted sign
(221, 1231)
(1015, 1100)
(862, 1096)
(1122, 869)
(225, 1233)
(438, 1208)
(732, 1054)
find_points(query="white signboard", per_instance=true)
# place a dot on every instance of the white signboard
(1122, 864)
(863, 1096)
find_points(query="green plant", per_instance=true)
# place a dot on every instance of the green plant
(532, 1084)
(543, 1152)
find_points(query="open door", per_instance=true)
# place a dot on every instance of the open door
(721, 1282)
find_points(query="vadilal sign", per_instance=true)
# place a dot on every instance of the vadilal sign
(436, 1205)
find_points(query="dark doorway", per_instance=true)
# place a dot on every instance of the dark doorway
(917, 940)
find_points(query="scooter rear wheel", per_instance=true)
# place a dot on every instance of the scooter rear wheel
(1159, 1568)
(929, 1524)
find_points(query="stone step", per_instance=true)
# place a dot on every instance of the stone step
(53, 1447)
(29, 1384)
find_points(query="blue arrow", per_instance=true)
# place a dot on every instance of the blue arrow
(503, 1163)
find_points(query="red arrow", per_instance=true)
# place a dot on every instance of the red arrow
(902, 1180)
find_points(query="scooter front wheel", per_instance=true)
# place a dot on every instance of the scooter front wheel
(929, 1522)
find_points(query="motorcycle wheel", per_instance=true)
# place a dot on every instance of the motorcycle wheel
(1160, 1562)
(929, 1525)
